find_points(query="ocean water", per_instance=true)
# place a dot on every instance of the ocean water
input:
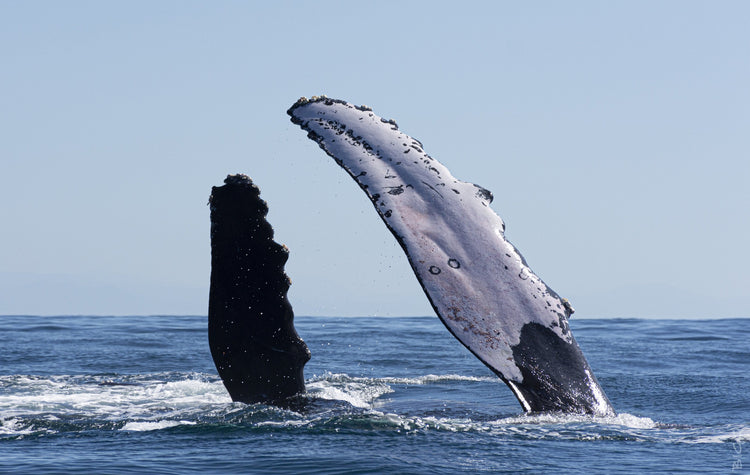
(101, 394)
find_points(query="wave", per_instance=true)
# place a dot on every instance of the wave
(362, 392)
(36, 406)
(738, 435)
(153, 425)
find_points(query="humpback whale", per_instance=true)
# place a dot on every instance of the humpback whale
(477, 282)
(257, 352)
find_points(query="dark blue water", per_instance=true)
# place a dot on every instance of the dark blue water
(140, 394)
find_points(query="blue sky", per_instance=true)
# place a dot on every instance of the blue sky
(614, 136)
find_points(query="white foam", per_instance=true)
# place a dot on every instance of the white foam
(622, 420)
(136, 398)
(363, 392)
(160, 401)
(739, 436)
(634, 422)
(437, 378)
(153, 425)
(287, 423)
(14, 427)
(418, 380)
(434, 423)
(359, 392)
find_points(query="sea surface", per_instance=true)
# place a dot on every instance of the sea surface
(101, 394)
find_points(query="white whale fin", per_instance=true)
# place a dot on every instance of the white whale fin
(478, 283)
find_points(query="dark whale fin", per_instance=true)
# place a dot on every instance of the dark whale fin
(255, 347)
(478, 283)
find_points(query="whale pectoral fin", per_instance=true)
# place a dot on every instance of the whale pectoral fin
(562, 380)
(254, 345)
(478, 283)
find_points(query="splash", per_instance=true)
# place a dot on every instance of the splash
(153, 425)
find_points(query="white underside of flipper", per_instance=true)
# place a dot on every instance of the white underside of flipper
(477, 281)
